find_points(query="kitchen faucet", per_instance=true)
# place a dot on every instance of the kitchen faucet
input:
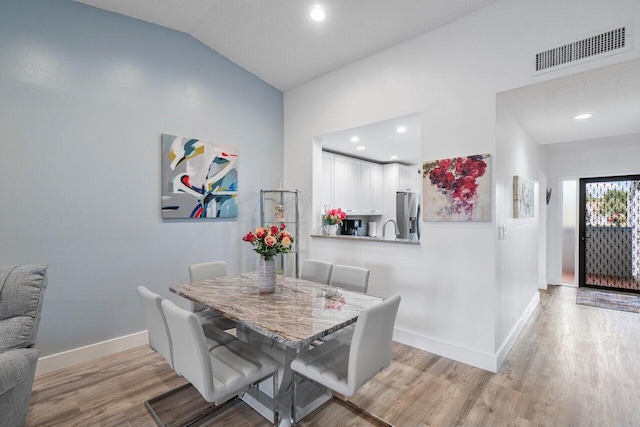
(385, 226)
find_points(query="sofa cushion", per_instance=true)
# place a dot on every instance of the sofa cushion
(21, 293)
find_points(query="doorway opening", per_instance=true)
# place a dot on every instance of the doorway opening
(609, 233)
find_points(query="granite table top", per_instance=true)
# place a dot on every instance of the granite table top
(298, 313)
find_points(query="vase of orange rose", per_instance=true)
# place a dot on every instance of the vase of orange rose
(269, 241)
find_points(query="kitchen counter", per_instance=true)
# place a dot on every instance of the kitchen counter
(370, 239)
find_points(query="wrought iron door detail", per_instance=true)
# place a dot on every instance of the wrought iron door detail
(610, 232)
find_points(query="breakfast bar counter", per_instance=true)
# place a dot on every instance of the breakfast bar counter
(369, 239)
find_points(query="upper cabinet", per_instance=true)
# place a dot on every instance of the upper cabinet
(407, 178)
(327, 179)
(353, 185)
(371, 189)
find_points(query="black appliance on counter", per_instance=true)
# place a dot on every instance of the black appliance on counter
(350, 227)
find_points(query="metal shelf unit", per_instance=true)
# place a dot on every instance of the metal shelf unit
(281, 206)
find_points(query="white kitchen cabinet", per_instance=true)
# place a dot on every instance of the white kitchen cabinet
(376, 189)
(346, 188)
(403, 179)
(355, 186)
(414, 179)
(327, 179)
(407, 178)
(340, 180)
(371, 189)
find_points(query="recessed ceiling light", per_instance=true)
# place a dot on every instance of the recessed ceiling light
(401, 129)
(393, 157)
(354, 139)
(360, 147)
(317, 13)
(582, 116)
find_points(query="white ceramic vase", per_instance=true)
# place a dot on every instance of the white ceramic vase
(330, 229)
(267, 274)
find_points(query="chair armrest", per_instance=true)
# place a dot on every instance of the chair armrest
(16, 366)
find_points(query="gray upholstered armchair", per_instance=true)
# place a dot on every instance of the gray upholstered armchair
(21, 294)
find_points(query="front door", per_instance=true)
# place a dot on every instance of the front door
(609, 249)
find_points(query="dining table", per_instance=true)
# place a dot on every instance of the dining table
(282, 324)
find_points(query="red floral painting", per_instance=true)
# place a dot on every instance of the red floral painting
(457, 189)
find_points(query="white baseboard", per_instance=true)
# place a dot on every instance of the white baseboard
(542, 284)
(91, 352)
(488, 362)
(456, 352)
(508, 343)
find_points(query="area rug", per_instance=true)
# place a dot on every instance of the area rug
(608, 299)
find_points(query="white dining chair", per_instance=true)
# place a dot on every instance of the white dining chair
(220, 374)
(343, 367)
(316, 271)
(160, 341)
(353, 279)
(350, 278)
(204, 271)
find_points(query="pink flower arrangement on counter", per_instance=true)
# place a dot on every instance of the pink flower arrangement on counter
(334, 216)
(270, 240)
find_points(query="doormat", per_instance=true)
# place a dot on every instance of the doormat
(610, 300)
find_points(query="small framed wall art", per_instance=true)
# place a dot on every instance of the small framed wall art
(199, 179)
(523, 197)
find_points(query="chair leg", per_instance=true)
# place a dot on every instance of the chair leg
(344, 402)
(190, 418)
(359, 411)
(276, 417)
(149, 403)
(293, 398)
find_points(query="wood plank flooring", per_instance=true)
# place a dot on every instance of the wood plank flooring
(572, 366)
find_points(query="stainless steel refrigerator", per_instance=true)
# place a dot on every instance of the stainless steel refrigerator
(408, 215)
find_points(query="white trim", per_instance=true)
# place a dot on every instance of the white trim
(542, 285)
(466, 355)
(69, 358)
(508, 343)
(479, 359)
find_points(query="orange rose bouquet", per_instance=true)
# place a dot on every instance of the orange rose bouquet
(270, 240)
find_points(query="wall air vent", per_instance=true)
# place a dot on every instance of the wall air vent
(603, 44)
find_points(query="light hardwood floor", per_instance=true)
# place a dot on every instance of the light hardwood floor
(571, 366)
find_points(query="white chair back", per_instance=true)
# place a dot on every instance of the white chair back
(370, 350)
(204, 271)
(207, 270)
(316, 271)
(350, 278)
(190, 352)
(159, 338)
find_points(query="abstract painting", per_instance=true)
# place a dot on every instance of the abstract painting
(523, 197)
(199, 179)
(457, 189)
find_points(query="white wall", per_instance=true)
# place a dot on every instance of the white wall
(449, 287)
(517, 254)
(84, 96)
(584, 159)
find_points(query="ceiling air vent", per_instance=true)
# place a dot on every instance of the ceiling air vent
(604, 44)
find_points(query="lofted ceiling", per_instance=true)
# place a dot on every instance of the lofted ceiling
(277, 41)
